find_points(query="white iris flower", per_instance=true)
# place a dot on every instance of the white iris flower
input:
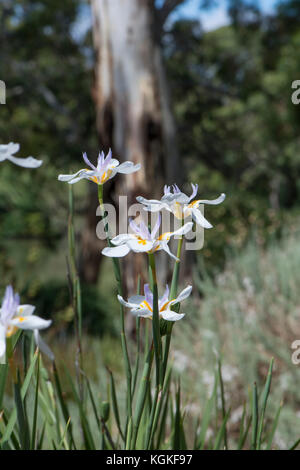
(180, 204)
(144, 241)
(7, 152)
(142, 305)
(107, 167)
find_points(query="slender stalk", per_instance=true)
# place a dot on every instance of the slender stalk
(138, 340)
(117, 272)
(75, 291)
(224, 414)
(157, 349)
(142, 395)
(72, 260)
(175, 275)
(254, 417)
(161, 364)
(173, 293)
(155, 407)
(157, 410)
(155, 319)
(264, 404)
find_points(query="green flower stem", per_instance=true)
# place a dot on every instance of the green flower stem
(72, 260)
(175, 276)
(138, 351)
(76, 291)
(138, 341)
(142, 395)
(157, 348)
(173, 294)
(160, 400)
(156, 408)
(161, 364)
(167, 350)
(117, 272)
(155, 319)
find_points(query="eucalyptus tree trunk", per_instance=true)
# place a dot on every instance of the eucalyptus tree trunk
(132, 102)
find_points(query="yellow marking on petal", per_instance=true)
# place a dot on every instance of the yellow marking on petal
(21, 309)
(164, 305)
(105, 176)
(165, 236)
(142, 242)
(146, 304)
(193, 204)
(94, 179)
(21, 319)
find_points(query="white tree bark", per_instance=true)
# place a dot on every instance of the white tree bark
(133, 112)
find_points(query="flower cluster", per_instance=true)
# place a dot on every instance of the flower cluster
(141, 239)
(14, 316)
(163, 311)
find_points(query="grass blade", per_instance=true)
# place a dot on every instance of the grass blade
(13, 417)
(254, 417)
(274, 427)
(295, 445)
(24, 435)
(89, 441)
(35, 411)
(264, 403)
(207, 416)
(3, 376)
(222, 433)
(115, 403)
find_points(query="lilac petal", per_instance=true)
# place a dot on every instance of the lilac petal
(10, 304)
(101, 158)
(148, 295)
(166, 189)
(135, 227)
(108, 157)
(85, 158)
(141, 230)
(156, 226)
(17, 299)
(195, 190)
(8, 295)
(165, 296)
(176, 189)
(144, 230)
